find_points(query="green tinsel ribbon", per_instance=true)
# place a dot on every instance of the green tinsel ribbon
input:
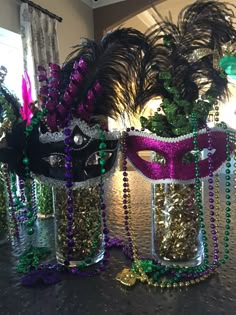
(7, 110)
(31, 258)
(176, 111)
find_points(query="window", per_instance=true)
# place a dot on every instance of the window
(11, 57)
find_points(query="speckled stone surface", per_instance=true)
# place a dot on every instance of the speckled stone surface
(103, 294)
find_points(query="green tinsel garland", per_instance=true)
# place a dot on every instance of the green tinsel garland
(174, 120)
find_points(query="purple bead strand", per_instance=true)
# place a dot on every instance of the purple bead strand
(126, 195)
(69, 185)
(211, 198)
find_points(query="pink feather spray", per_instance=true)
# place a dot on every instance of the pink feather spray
(25, 110)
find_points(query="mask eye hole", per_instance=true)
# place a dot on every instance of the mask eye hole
(205, 153)
(94, 158)
(55, 160)
(147, 155)
(189, 157)
(202, 155)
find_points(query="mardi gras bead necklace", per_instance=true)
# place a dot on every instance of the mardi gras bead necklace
(70, 209)
(212, 206)
(30, 259)
(14, 228)
(4, 222)
(128, 277)
(34, 123)
(193, 274)
(72, 242)
(57, 111)
(44, 271)
(77, 75)
(19, 201)
(8, 118)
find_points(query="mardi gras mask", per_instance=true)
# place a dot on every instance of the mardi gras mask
(84, 154)
(46, 153)
(173, 150)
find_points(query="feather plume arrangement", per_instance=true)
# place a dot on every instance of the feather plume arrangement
(118, 63)
(184, 63)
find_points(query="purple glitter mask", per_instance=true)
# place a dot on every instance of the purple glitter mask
(173, 151)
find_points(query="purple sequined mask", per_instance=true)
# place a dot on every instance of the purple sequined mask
(173, 151)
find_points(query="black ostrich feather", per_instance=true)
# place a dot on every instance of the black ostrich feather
(203, 25)
(118, 63)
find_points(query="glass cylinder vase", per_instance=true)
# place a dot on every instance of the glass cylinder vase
(176, 236)
(87, 226)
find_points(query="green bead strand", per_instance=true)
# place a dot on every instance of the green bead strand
(34, 122)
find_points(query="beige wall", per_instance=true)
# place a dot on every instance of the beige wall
(9, 16)
(77, 20)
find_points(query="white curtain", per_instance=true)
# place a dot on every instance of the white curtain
(39, 39)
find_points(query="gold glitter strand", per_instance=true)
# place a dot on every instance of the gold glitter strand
(86, 225)
(44, 199)
(176, 227)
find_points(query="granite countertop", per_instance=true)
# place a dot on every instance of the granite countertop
(103, 294)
